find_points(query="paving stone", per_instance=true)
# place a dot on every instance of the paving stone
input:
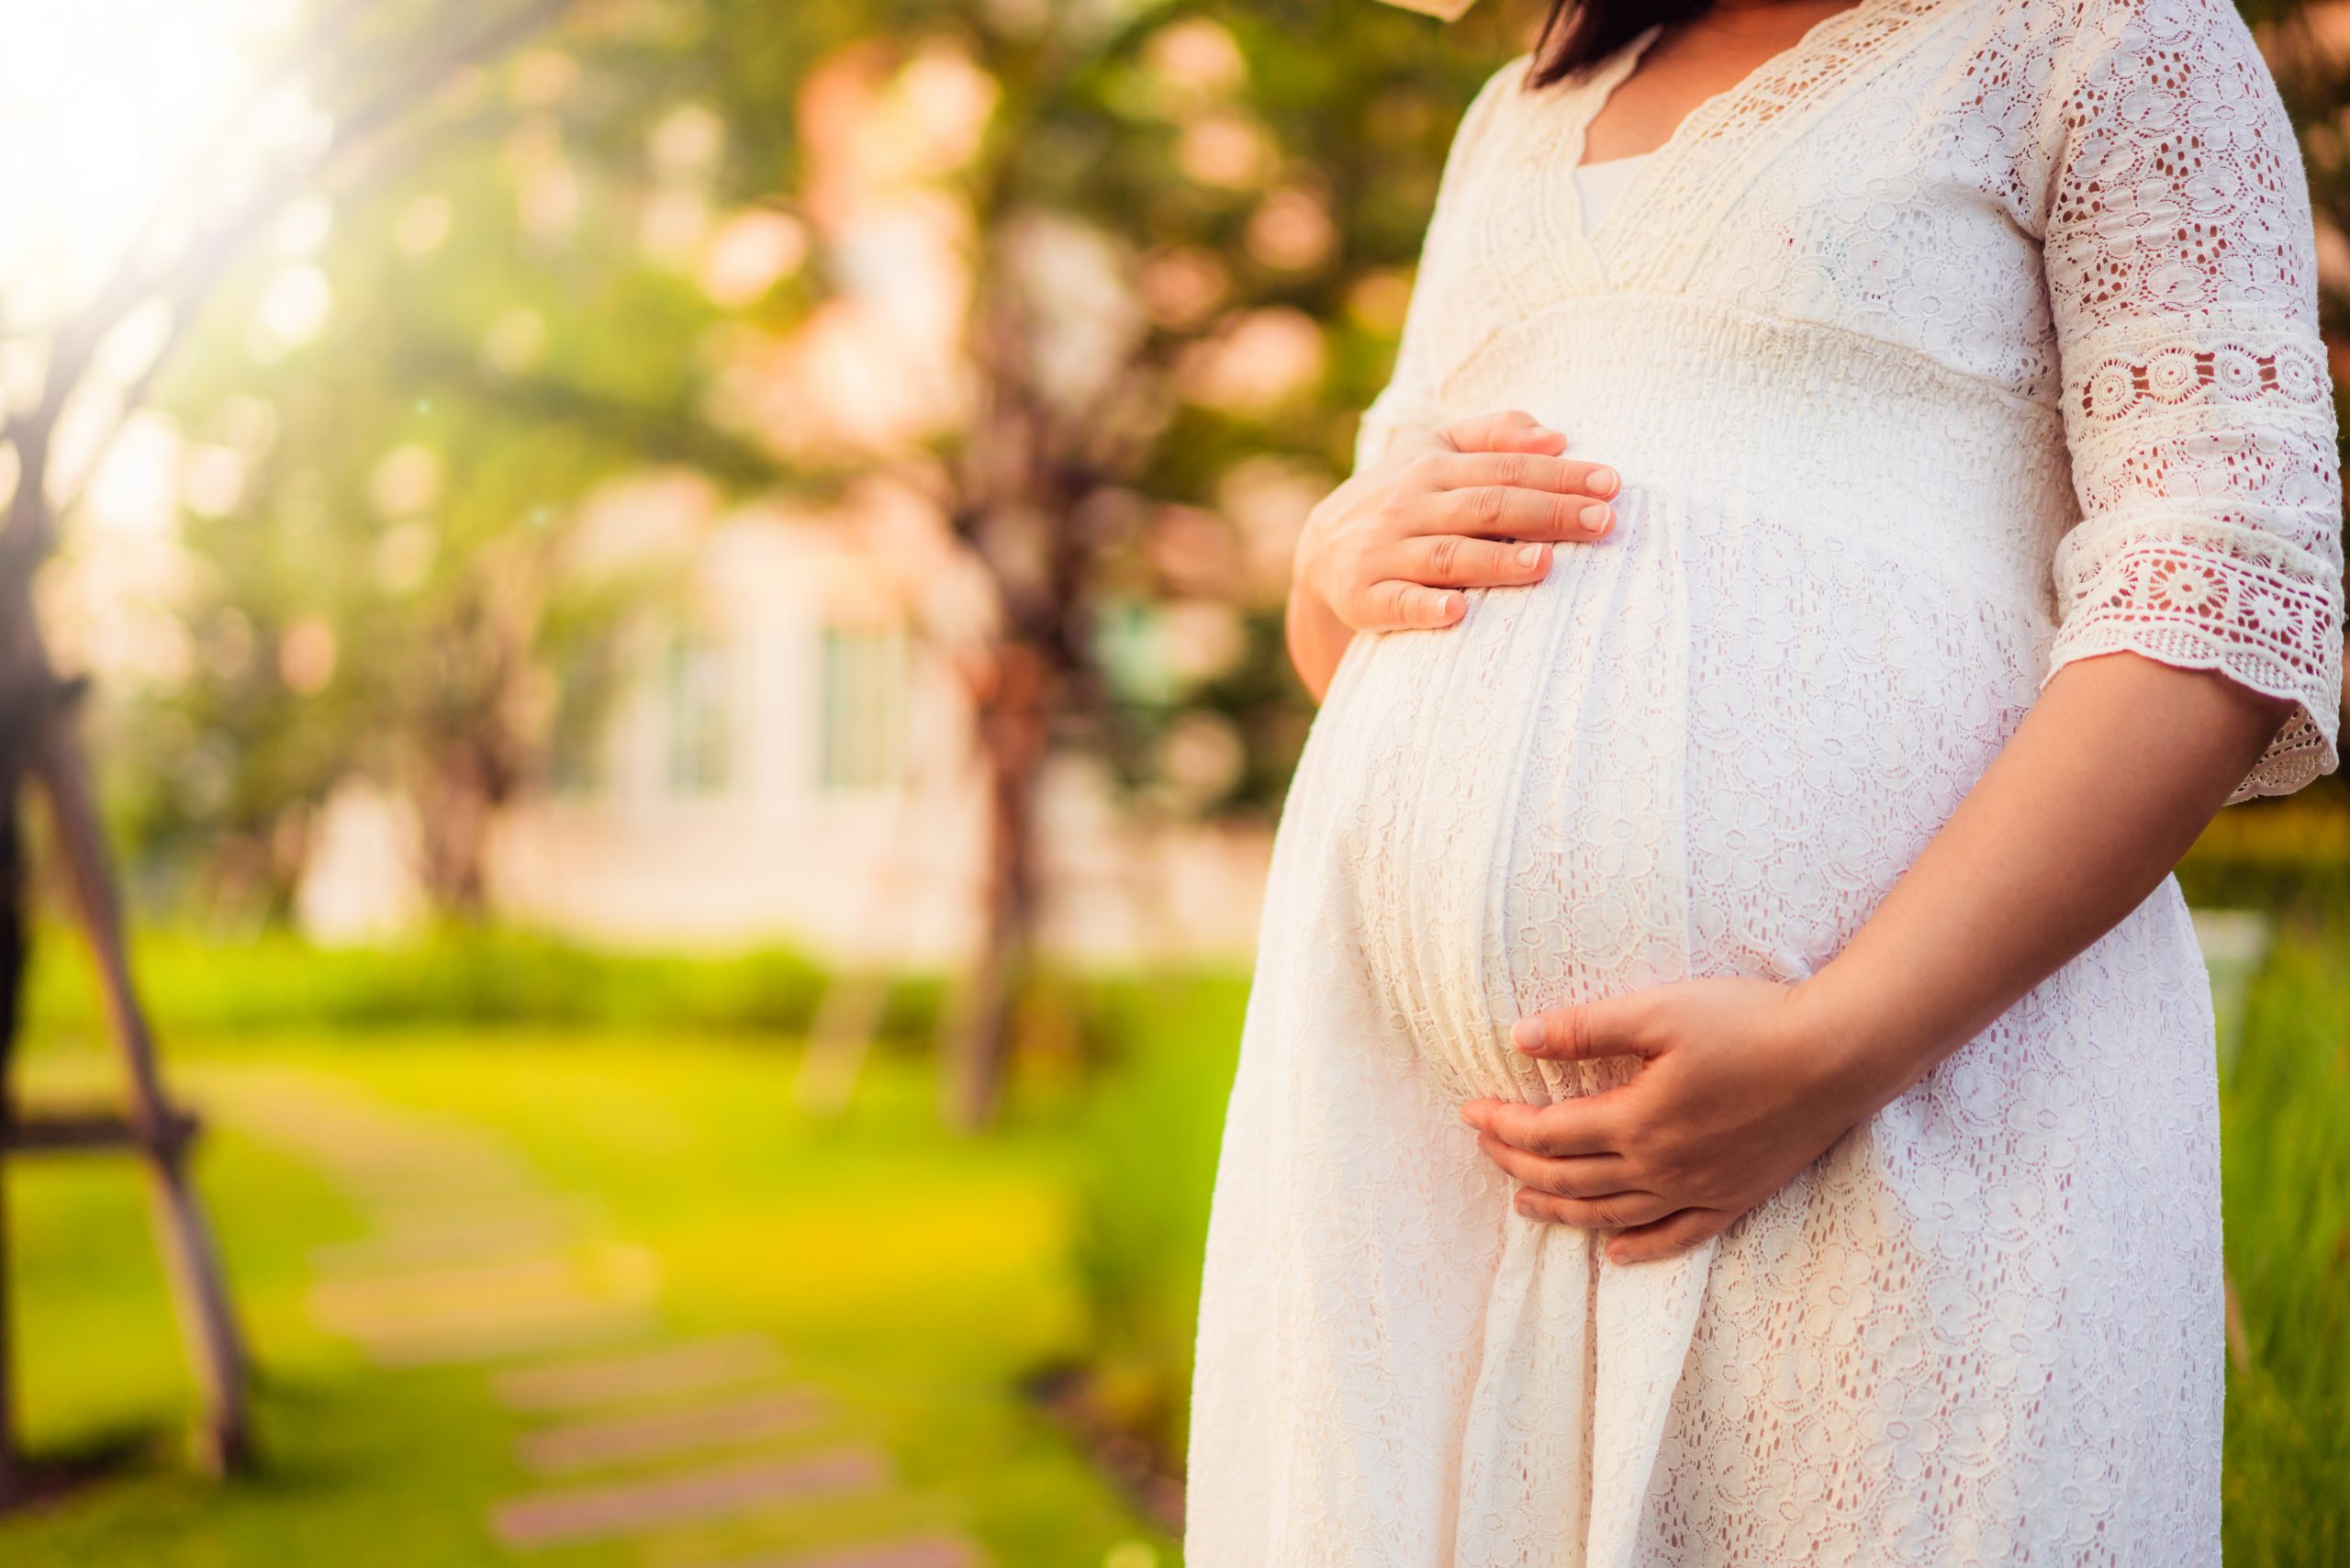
(603, 1269)
(367, 1302)
(561, 1318)
(657, 1434)
(343, 1130)
(640, 1507)
(448, 1194)
(418, 1214)
(687, 1367)
(589, 1326)
(447, 1243)
(911, 1552)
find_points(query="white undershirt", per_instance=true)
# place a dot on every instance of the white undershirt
(1598, 185)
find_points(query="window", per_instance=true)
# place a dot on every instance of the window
(696, 689)
(583, 691)
(863, 712)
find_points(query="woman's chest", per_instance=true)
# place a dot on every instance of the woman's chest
(1897, 203)
(1689, 65)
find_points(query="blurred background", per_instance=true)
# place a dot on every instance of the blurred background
(667, 612)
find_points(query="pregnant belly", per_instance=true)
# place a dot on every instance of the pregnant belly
(1706, 745)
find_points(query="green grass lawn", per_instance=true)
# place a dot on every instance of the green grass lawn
(2285, 1133)
(916, 1275)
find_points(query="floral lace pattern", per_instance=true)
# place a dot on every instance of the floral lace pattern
(1968, 338)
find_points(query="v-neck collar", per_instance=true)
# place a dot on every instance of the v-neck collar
(1806, 75)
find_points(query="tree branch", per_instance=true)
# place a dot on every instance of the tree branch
(182, 281)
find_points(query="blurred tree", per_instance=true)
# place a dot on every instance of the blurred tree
(86, 325)
(1182, 234)
(88, 331)
(1183, 220)
(1104, 281)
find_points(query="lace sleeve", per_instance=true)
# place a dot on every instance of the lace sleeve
(1409, 401)
(2182, 279)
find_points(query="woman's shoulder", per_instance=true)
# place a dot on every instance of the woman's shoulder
(1509, 81)
(2076, 36)
(2051, 72)
(1490, 104)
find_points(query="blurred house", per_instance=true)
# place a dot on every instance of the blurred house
(781, 756)
(788, 763)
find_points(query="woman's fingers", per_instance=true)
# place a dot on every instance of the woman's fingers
(1669, 1237)
(1395, 605)
(1452, 560)
(1518, 471)
(1478, 506)
(1582, 1176)
(1616, 1211)
(1493, 511)
(1513, 430)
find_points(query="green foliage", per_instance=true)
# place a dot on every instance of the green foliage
(459, 977)
(1148, 1147)
(1082, 1221)
(506, 333)
(1147, 1140)
(911, 1274)
(2290, 855)
(2285, 1121)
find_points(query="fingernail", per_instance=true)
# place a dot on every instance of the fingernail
(1595, 517)
(1526, 1033)
(1529, 555)
(1602, 481)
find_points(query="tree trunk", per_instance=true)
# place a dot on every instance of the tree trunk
(25, 685)
(1013, 720)
(462, 790)
(16, 719)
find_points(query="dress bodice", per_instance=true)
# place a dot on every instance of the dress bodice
(2084, 222)
(1967, 338)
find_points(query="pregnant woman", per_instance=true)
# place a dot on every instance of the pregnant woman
(1729, 1077)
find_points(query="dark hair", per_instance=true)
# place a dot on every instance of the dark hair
(1580, 34)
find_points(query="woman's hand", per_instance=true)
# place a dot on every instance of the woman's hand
(1476, 505)
(1743, 1082)
(1740, 1085)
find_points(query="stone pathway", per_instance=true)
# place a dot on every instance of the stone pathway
(621, 1440)
(632, 1507)
(636, 1436)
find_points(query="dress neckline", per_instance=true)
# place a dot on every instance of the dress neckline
(1599, 186)
(1614, 73)
(1829, 53)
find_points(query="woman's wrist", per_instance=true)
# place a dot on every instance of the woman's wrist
(1868, 1051)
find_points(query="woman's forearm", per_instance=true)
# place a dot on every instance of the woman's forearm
(1318, 638)
(2100, 790)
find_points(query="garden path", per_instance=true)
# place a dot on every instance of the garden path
(635, 1436)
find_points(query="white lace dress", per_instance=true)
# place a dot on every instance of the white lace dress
(1967, 338)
